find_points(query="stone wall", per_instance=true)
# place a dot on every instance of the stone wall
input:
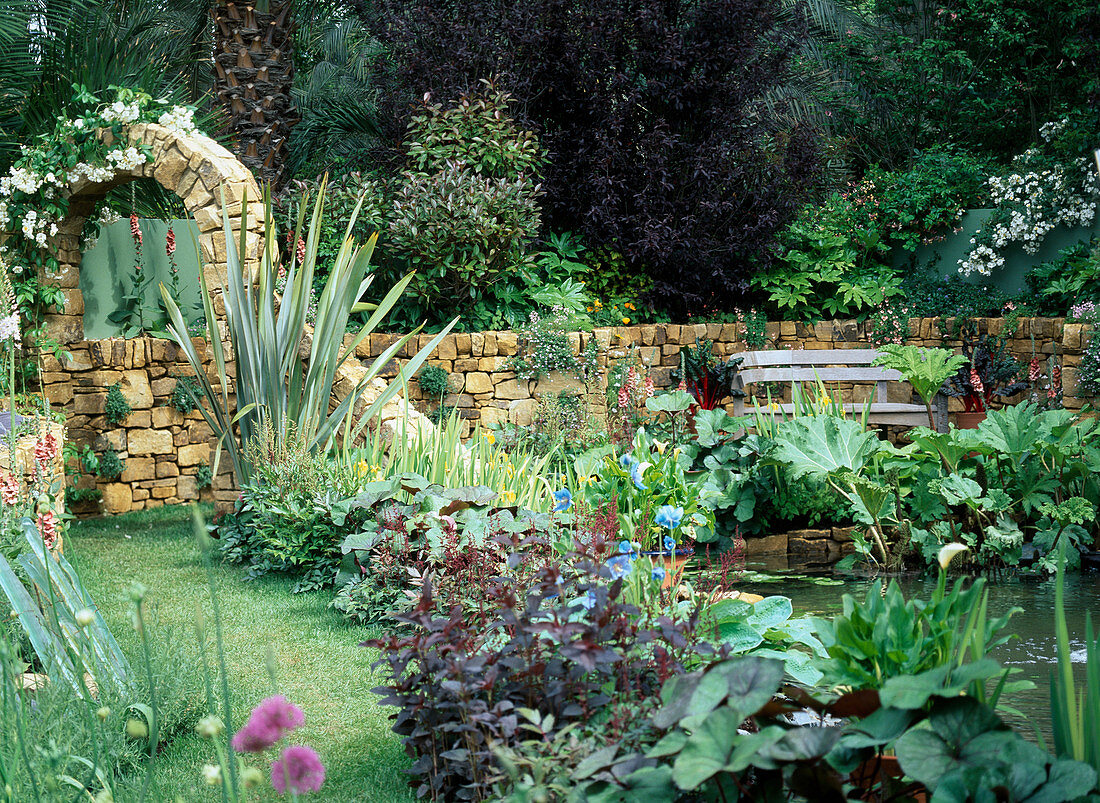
(485, 390)
(162, 447)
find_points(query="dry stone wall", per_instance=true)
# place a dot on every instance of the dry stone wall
(486, 390)
(164, 448)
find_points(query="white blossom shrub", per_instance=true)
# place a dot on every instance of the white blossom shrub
(1050, 185)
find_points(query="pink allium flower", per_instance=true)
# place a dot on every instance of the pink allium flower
(47, 528)
(9, 489)
(298, 770)
(269, 722)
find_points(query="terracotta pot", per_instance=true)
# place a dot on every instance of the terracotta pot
(969, 420)
(673, 564)
(877, 773)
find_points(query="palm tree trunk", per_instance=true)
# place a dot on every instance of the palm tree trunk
(253, 75)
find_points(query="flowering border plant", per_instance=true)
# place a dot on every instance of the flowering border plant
(648, 482)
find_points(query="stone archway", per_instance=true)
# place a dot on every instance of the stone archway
(196, 169)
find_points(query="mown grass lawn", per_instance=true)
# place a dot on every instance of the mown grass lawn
(319, 663)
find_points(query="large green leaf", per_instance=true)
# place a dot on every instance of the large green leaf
(822, 445)
(1012, 431)
(770, 612)
(925, 369)
(708, 749)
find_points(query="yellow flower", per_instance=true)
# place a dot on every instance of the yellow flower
(508, 497)
(598, 303)
(626, 320)
(489, 436)
(628, 305)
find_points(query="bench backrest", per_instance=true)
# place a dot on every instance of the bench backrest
(828, 365)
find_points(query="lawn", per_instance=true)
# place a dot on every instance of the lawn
(319, 663)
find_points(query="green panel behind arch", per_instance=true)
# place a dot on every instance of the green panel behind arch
(105, 271)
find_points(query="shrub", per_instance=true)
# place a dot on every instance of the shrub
(110, 465)
(115, 407)
(467, 206)
(184, 395)
(204, 475)
(567, 647)
(660, 143)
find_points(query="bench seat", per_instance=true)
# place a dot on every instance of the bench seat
(833, 365)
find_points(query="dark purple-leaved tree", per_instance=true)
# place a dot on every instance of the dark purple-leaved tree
(653, 112)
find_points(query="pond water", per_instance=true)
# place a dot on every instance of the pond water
(1033, 651)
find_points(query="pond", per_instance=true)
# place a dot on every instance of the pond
(1032, 652)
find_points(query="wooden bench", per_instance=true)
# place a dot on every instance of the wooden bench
(834, 365)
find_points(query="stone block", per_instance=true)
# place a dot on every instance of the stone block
(842, 535)
(167, 468)
(164, 417)
(810, 549)
(493, 415)
(89, 403)
(135, 387)
(478, 383)
(193, 454)
(164, 493)
(112, 439)
(138, 469)
(117, 498)
(767, 545)
(506, 343)
(187, 487)
(78, 360)
(139, 418)
(149, 441)
(811, 535)
(521, 411)
(446, 350)
(59, 393)
(512, 390)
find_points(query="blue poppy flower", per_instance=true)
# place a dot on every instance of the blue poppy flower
(628, 461)
(670, 543)
(588, 601)
(620, 566)
(658, 574)
(563, 500)
(626, 547)
(670, 517)
(636, 475)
